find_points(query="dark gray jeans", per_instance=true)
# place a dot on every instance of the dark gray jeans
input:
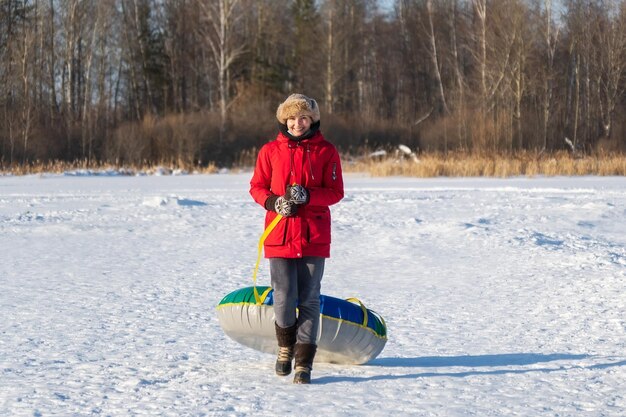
(297, 282)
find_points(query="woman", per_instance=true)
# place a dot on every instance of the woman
(298, 176)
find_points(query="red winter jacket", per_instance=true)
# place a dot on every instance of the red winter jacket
(314, 164)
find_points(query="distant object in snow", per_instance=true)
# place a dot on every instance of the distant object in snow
(164, 201)
(378, 154)
(404, 151)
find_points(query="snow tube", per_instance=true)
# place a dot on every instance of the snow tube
(349, 333)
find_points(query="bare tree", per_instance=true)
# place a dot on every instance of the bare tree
(70, 73)
(550, 34)
(329, 85)
(25, 60)
(453, 23)
(343, 31)
(222, 17)
(480, 7)
(306, 63)
(611, 30)
(434, 56)
(497, 71)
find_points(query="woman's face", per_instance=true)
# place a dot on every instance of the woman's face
(298, 125)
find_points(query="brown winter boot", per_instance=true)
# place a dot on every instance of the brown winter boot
(286, 337)
(305, 353)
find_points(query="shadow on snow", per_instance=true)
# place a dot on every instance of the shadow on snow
(511, 359)
(467, 361)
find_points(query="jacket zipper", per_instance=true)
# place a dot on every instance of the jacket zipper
(291, 156)
(308, 154)
(308, 157)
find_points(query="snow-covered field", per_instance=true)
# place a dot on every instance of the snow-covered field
(503, 297)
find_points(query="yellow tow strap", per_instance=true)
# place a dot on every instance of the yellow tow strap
(265, 234)
(357, 301)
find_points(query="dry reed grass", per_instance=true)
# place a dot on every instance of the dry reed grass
(427, 165)
(469, 165)
(59, 167)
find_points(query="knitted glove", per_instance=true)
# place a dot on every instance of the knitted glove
(281, 205)
(297, 193)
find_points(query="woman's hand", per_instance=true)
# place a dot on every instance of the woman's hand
(297, 193)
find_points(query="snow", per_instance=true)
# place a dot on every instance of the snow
(503, 297)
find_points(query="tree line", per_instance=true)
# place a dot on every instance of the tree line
(198, 81)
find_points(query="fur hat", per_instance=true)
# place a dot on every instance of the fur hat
(298, 105)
